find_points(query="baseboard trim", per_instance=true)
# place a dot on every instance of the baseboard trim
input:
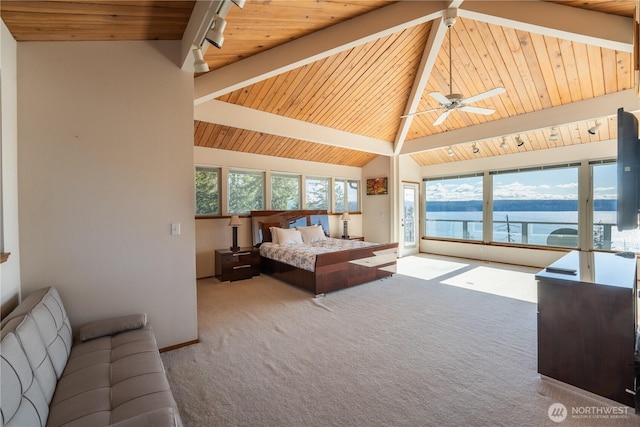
(184, 344)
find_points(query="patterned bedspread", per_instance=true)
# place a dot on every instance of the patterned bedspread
(303, 255)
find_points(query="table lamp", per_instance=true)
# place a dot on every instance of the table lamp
(345, 221)
(235, 222)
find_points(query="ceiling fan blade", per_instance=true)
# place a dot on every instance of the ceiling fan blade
(477, 110)
(442, 117)
(440, 98)
(420, 112)
(483, 95)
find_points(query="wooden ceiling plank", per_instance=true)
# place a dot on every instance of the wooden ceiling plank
(570, 70)
(546, 69)
(555, 55)
(320, 44)
(541, 92)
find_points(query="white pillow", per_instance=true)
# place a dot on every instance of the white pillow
(288, 235)
(313, 233)
(274, 234)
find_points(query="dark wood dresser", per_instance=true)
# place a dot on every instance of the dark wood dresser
(587, 323)
(243, 264)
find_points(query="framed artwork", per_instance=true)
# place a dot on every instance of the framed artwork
(377, 186)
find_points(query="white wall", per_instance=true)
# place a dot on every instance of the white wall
(10, 270)
(214, 233)
(521, 256)
(105, 160)
(377, 208)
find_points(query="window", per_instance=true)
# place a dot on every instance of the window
(285, 191)
(318, 193)
(536, 206)
(454, 207)
(605, 192)
(347, 195)
(246, 191)
(207, 191)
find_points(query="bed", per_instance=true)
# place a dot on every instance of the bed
(319, 264)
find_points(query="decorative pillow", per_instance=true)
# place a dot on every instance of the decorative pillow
(313, 233)
(288, 235)
(112, 326)
(265, 229)
(274, 234)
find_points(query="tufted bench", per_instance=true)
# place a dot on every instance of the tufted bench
(111, 375)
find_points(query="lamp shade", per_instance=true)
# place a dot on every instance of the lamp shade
(346, 217)
(234, 221)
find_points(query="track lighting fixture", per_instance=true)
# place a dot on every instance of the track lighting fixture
(553, 136)
(595, 128)
(450, 152)
(504, 142)
(199, 64)
(215, 35)
(476, 150)
(519, 141)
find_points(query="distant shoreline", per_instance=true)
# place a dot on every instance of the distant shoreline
(518, 206)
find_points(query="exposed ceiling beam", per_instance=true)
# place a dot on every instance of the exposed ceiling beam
(236, 116)
(431, 50)
(313, 47)
(555, 20)
(589, 109)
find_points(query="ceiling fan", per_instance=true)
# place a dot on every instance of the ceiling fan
(456, 101)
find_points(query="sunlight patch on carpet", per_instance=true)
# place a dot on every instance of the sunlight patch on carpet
(506, 283)
(427, 268)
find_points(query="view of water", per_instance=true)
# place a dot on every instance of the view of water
(532, 227)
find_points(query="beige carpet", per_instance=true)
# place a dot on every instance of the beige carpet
(396, 352)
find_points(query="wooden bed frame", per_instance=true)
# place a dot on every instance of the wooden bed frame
(333, 271)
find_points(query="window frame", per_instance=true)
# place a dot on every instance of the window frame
(285, 175)
(346, 182)
(329, 194)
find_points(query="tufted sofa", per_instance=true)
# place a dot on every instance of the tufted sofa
(111, 375)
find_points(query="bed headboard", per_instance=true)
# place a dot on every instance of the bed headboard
(262, 220)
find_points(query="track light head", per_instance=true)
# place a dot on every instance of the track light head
(594, 129)
(504, 142)
(519, 141)
(199, 64)
(553, 136)
(476, 150)
(215, 35)
(450, 152)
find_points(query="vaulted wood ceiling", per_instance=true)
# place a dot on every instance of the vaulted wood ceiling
(329, 81)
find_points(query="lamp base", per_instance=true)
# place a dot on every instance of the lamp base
(235, 247)
(345, 230)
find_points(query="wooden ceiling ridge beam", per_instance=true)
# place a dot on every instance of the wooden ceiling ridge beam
(313, 47)
(236, 116)
(562, 115)
(427, 62)
(556, 20)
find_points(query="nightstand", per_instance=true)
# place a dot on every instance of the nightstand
(243, 264)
